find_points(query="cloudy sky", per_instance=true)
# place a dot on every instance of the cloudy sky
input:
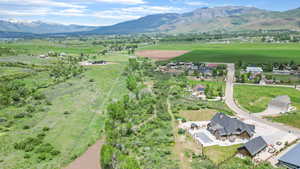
(107, 12)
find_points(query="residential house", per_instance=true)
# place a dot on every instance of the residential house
(253, 147)
(291, 159)
(199, 91)
(224, 127)
(254, 70)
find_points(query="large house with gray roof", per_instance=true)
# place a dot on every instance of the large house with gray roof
(224, 127)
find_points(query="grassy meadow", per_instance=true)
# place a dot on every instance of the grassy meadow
(256, 98)
(72, 115)
(230, 53)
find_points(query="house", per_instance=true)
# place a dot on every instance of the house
(254, 70)
(224, 127)
(199, 91)
(281, 104)
(253, 147)
(101, 62)
(291, 159)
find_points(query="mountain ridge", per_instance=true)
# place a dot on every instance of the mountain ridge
(225, 18)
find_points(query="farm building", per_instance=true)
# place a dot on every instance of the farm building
(254, 70)
(291, 159)
(224, 127)
(253, 147)
(280, 104)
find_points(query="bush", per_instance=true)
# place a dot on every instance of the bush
(106, 156)
(181, 131)
(20, 115)
(26, 127)
(30, 109)
(46, 129)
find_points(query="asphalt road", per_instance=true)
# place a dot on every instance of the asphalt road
(229, 100)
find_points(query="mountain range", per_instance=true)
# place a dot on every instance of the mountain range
(228, 18)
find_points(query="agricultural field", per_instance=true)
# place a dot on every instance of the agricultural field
(256, 98)
(38, 47)
(257, 53)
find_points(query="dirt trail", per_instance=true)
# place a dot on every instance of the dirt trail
(90, 159)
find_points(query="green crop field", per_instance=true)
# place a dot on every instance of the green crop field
(256, 98)
(37, 47)
(231, 53)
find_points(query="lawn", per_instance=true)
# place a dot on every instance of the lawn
(256, 98)
(219, 154)
(75, 118)
(231, 53)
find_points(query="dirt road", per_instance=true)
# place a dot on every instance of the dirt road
(90, 159)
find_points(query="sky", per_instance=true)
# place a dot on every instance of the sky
(108, 12)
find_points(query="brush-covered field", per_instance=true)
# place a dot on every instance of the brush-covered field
(68, 117)
(257, 53)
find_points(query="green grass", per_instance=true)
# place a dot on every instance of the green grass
(256, 98)
(72, 133)
(7, 71)
(292, 119)
(219, 154)
(43, 47)
(231, 53)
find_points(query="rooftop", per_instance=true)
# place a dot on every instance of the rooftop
(255, 145)
(292, 157)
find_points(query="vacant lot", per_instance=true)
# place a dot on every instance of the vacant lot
(256, 98)
(292, 119)
(161, 54)
(198, 115)
(218, 154)
(231, 53)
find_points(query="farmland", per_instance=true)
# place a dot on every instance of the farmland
(231, 53)
(256, 98)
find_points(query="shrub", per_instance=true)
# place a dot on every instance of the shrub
(20, 115)
(26, 127)
(181, 131)
(46, 129)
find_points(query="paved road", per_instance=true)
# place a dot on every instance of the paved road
(229, 100)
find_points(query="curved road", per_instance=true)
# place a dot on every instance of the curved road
(229, 100)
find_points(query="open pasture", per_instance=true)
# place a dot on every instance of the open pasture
(231, 53)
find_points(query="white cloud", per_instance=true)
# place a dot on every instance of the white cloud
(44, 3)
(196, 3)
(135, 12)
(129, 2)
